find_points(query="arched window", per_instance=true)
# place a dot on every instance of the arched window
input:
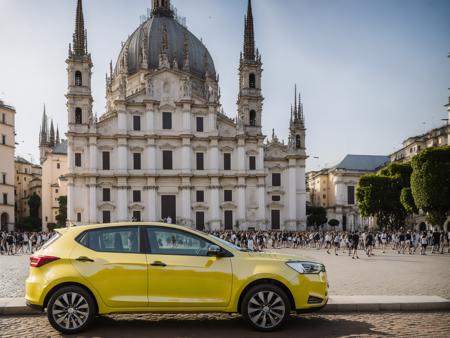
(252, 80)
(78, 78)
(298, 143)
(78, 116)
(252, 118)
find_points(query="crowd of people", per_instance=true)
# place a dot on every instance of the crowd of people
(334, 242)
(341, 242)
(13, 243)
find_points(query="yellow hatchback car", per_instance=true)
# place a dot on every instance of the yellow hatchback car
(152, 267)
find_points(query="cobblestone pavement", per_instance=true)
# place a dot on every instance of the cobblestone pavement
(383, 274)
(435, 325)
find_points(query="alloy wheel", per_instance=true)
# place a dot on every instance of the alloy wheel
(70, 310)
(266, 309)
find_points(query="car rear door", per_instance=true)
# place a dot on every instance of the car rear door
(180, 272)
(112, 260)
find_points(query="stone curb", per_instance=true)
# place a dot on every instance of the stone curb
(17, 306)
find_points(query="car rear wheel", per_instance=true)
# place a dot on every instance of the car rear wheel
(266, 307)
(71, 309)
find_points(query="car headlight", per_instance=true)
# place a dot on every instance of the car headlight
(306, 267)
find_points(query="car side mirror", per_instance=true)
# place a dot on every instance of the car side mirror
(214, 251)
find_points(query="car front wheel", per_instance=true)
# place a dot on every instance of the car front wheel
(71, 309)
(266, 307)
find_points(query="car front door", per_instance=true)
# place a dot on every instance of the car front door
(181, 274)
(113, 262)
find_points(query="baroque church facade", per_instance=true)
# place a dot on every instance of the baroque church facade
(164, 148)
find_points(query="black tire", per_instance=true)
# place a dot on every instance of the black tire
(273, 313)
(71, 309)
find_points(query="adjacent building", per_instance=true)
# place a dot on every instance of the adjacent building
(28, 182)
(165, 148)
(53, 159)
(7, 147)
(334, 189)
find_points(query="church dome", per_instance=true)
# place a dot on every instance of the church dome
(147, 41)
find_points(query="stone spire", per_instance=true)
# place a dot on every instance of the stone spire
(162, 8)
(52, 135)
(249, 35)
(43, 135)
(57, 141)
(80, 35)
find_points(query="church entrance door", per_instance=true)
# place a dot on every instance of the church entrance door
(169, 207)
(228, 219)
(275, 219)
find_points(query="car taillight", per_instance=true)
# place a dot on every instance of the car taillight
(37, 261)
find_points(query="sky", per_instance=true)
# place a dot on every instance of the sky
(371, 72)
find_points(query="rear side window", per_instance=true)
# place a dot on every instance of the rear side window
(51, 240)
(120, 240)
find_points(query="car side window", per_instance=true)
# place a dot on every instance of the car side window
(176, 242)
(121, 240)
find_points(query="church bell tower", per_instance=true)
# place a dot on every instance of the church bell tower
(250, 100)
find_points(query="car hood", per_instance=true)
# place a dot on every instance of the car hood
(281, 256)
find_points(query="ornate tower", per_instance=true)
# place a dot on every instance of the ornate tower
(162, 8)
(79, 70)
(43, 137)
(297, 126)
(250, 100)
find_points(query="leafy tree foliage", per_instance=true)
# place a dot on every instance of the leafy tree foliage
(333, 222)
(34, 203)
(61, 219)
(430, 183)
(316, 216)
(379, 194)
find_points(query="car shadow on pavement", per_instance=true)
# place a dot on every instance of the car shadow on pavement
(219, 326)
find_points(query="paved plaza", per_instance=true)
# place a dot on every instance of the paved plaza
(435, 325)
(383, 274)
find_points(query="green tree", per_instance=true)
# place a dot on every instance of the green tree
(333, 222)
(430, 183)
(379, 194)
(61, 218)
(34, 203)
(316, 216)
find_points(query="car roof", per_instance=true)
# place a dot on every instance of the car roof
(124, 224)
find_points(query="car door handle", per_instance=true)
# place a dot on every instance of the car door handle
(158, 263)
(84, 259)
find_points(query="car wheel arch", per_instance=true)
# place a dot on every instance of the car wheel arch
(265, 281)
(59, 286)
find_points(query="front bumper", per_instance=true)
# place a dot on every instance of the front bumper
(310, 291)
(35, 307)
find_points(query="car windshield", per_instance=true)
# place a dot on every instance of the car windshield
(230, 245)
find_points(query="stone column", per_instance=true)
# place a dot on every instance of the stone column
(214, 204)
(301, 196)
(242, 206)
(151, 200)
(93, 154)
(150, 156)
(291, 187)
(241, 160)
(122, 200)
(261, 201)
(213, 156)
(150, 119)
(122, 156)
(70, 160)
(186, 156)
(70, 201)
(186, 201)
(93, 201)
(122, 122)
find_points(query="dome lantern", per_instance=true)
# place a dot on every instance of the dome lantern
(162, 8)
